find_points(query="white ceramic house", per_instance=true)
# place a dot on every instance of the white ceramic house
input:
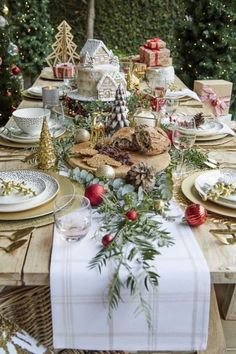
(97, 50)
(106, 87)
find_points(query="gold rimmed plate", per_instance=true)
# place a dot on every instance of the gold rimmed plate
(66, 187)
(192, 195)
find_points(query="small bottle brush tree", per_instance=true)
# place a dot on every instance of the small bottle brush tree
(119, 115)
(207, 40)
(9, 80)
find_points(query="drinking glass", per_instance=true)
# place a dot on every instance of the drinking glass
(72, 216)
(171, 105)
(183, 136)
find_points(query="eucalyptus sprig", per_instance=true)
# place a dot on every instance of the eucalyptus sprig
(134, 247)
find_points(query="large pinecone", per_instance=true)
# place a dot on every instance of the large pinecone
(199, 119)
(141, 175)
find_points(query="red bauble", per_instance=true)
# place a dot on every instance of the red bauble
(15, 70)
(132, 215)
(195, 214)
(7, 93)
(170, 136)
(107, 239)
(95, 193)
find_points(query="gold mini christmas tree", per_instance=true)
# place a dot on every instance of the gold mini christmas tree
(64, 49)
(46, 155)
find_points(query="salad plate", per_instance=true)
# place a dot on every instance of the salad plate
(50, 191)
(206, 180)
(37, 186)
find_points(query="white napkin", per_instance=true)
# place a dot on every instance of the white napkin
(179, 307)
(182, 93)
(226, 130)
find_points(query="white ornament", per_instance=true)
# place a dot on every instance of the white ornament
(82, 135)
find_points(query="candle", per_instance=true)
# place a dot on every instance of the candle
(145, 117)
(50, 95)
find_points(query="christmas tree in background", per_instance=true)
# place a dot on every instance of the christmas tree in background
(206, 44)
(30, 22)
(10, 84)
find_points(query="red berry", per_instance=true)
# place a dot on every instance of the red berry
(95, 193)
(132, 215)
(107, 239)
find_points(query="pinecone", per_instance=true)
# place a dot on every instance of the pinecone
(141, 175)
(199, 119)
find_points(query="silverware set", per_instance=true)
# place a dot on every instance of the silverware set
(16, 239)
(216, 164)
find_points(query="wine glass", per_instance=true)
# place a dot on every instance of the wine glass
(72, 216)
(183, 136)
(171, 105)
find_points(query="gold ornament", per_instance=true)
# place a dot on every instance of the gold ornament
(82, 135)
(159, 205)
(46, 155)
(97, 130)
(5, 10)
(133, 83)
(140, 70)
(105, 171)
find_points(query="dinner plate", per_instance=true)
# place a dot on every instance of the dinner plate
(211, 137)
(38, 91)
(191, 194)
(17, 135)
(52, 188)
(208, 179)
(209, 128)
(37, 185)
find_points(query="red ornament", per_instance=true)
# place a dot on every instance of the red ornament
(7, 93)
(170, 136)
(107, 239)
(95, 193)
(195, 214)
(15, 70)
(132, 215)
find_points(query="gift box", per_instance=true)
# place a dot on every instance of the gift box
(215, 95)
(64, 71)
(156, 57)
(155, 43)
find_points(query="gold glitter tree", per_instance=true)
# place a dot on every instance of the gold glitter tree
(46, 155)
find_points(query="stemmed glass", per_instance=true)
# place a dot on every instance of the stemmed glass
(183, 136)
(171, 106)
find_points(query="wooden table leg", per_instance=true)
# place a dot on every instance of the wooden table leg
(216, 339)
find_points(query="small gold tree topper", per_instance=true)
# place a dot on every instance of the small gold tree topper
(46, 155)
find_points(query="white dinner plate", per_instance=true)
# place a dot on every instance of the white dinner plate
(211, 138)
(15, 134)
(37, 185)
(38, 91)
(51, 190)
(208, 179)
(209, 128)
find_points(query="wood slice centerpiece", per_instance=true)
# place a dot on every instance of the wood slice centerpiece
(158, 162)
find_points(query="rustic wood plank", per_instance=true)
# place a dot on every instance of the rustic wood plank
(216, 339)
(229, 328)
(37, 264)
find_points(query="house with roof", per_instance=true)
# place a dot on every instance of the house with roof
(96, 50)
(106, 88)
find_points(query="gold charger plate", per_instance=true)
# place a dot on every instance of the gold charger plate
(191, 194)
(158, 162)
(215, 142)
(66, 187)
(26, 94)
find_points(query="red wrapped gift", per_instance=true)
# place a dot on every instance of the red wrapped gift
(64, 70)
(156, 57)
(155, 43)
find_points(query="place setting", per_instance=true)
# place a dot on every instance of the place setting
(24, 128)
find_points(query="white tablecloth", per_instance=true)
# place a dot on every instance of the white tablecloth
(180, 305)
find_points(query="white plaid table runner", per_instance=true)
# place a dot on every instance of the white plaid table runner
(180, 305)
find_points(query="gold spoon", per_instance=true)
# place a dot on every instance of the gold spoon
(17, 235)
(13, 246)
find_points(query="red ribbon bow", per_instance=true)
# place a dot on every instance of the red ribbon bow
(219, 104)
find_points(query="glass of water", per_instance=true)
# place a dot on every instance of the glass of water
(72, 215)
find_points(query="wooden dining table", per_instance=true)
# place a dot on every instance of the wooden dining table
(30, 264)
